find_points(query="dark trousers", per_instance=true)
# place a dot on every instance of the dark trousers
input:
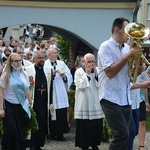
(13, 125)
(118, 118)
(134, 127)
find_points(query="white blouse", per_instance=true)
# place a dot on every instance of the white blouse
(9, 93)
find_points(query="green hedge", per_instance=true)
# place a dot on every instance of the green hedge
(148, 121)
(107, 134)
(31, 124)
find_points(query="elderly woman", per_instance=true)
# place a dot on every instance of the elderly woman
(14, 90)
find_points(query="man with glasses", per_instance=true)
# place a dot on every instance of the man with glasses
(25, 63)
(40, 80)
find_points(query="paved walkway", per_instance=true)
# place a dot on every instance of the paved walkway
(69, 144)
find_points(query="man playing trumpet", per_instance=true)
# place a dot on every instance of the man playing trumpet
(113, 56)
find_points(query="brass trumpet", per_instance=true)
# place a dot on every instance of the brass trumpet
(136, 32)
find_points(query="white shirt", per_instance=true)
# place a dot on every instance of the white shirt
(9, 93)
(144, 77)
(135, 95)
(116, 89)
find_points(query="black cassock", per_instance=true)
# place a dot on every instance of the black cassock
(40, 107)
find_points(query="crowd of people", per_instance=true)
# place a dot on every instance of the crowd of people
(33, 76)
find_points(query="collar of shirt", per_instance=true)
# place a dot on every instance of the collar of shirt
(117, 44)
(55, 62)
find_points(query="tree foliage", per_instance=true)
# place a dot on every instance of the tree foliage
(63, 49)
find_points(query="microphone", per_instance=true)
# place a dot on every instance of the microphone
(54, 65)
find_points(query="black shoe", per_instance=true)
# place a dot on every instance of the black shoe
(95, 148)
(67, 130)
(38, 148)
(84, 148)
(53, 138)
(35, 148)
(61, 139)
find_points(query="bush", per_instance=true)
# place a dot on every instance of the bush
(107, 134)
(148, 121)
(30, 124)
(63, 49)
(71, 98)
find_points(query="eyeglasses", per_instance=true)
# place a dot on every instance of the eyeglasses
(40, 57)
(91, 61)
(20, 53)
(18, 61)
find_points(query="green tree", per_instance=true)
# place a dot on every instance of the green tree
(63, 49)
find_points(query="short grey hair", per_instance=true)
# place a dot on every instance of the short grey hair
(87, 55)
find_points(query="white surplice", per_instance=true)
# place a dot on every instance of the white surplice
(60, 96)
(87, 105)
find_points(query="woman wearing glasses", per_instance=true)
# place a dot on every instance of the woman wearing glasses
(14, 89)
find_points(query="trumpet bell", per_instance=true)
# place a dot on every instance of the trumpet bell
(137, 30)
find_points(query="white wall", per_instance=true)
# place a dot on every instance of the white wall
(92, 25)
(144, 13)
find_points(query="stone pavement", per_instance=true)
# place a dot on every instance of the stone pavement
(69, 143)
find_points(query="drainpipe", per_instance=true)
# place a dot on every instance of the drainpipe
(144, 11)
(138, 3)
